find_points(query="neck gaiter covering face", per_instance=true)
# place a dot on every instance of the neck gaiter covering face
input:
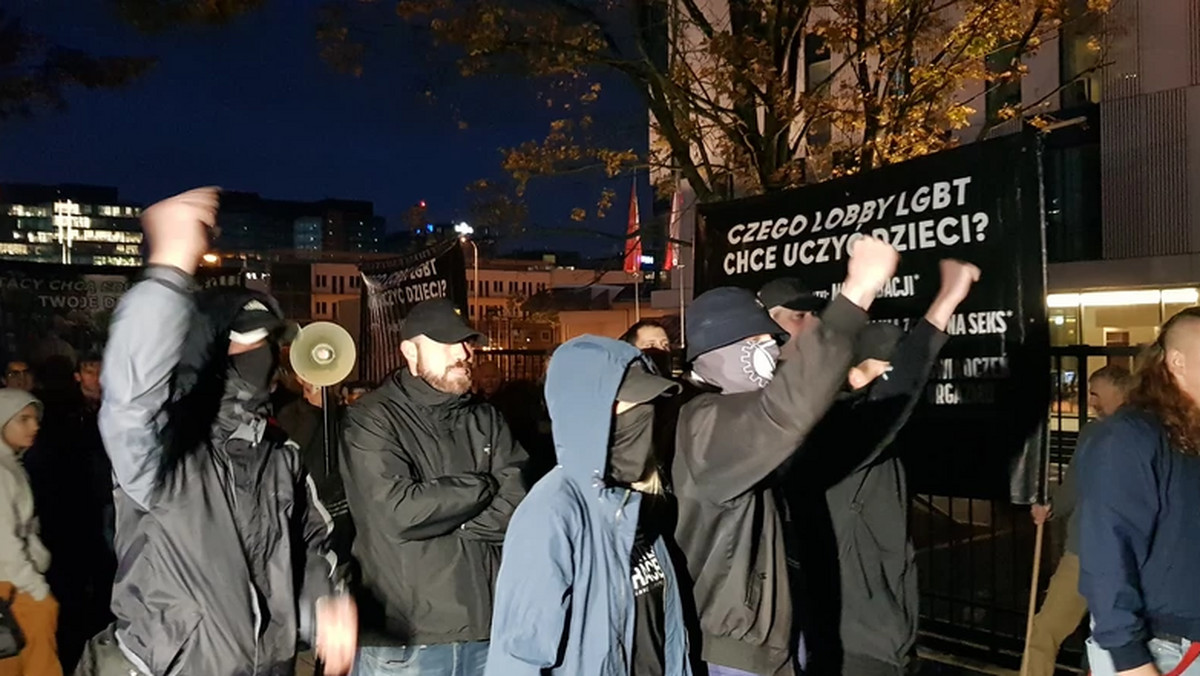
(632, 450)
(745, 366)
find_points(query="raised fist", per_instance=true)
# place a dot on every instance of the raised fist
(957, 278)
(177, 228)
(872, 263)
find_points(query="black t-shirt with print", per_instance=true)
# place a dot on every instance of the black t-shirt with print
(649, 584)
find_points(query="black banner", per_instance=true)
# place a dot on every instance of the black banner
(393, 286)
(51, 313)
(980, 431)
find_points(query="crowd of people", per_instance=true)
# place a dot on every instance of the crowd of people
(179, 512)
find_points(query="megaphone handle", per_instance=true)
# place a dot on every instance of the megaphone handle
(327, 435)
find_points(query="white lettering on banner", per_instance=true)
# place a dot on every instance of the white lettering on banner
(756, 248)
(425, 291)
(992, 322)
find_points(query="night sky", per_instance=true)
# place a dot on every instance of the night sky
(251, 107)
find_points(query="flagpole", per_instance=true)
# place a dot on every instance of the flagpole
(677, 260)
(637, 297)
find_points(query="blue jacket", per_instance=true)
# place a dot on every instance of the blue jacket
(1139, 506)
(564, 598)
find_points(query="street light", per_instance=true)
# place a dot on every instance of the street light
(211, 258)
(464, 235)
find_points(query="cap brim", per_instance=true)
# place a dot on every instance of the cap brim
(640, 387)
(761, 326)
(457, 334)
(806, 304)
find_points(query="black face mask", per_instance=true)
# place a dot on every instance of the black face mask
(255, 368)
(661, 360)
(632, 447)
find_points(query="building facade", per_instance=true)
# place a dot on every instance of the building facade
(71, 224)
(1122, 167)
(252, 223)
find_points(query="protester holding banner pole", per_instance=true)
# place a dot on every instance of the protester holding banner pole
(850, 499)
(221, 539)
(730, 443)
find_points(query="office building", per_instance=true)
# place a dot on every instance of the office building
(72, 224)
(1122, 168)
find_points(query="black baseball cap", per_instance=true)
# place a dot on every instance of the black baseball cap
(259, 319)
(641, 386)
(877, 340)
(790, 293)
(440, 321)
(724, 316)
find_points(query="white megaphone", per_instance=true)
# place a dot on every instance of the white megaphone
(323, 354)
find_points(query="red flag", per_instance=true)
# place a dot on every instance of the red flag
(672, 254)
(633, 240)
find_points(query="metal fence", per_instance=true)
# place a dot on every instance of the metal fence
(975, 557)
(517, 364)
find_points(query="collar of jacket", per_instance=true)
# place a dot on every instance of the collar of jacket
(424, 395)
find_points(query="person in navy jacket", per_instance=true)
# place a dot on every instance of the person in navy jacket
(586, 585)
(1139, 516)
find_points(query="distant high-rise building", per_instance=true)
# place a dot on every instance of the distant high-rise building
(252, 223)
(79, 224)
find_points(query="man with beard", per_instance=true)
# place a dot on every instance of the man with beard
(432, 476)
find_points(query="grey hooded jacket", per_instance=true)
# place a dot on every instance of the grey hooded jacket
(23, 559)
(221, 563)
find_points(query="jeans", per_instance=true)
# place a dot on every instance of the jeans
(1167, 657)
(448, 659)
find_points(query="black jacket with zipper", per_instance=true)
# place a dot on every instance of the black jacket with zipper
(728, 448)
(221, 563)
(432, 480)
(849, 511)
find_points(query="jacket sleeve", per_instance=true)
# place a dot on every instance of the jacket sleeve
(379, 471)
(16, 561)
(533, 591)
(1065, 498)
(893, 397)
(314, 527)
(145, 339)
(729, 443)
(1118, 510)
(508, 468)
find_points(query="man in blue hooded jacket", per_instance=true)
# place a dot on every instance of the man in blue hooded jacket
(586, 585)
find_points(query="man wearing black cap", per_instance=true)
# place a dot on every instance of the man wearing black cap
(848, 499)
(432, 477)
(221, 539)
(730, 444)
(791, 304)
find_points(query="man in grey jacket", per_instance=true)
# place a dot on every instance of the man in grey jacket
(1064, 607)
(221, 539)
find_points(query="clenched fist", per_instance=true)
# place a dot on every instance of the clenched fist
(872, 263)
(957, 278)
(178, 228)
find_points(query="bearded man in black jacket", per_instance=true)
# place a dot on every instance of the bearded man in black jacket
(432, 476)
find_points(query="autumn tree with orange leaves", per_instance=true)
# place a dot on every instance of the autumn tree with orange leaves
(734, 105)
(769, 95)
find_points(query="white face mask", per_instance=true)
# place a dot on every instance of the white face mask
(744, 366)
